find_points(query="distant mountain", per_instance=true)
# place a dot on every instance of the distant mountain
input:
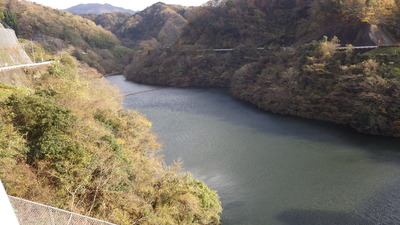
(158, 25)
(95, 8)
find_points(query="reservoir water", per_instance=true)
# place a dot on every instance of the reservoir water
(273, 169)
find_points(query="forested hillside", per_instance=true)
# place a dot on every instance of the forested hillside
(285, 58)
(232, 23)
(66, 141)
(58, 31)
(159, 25)
(109, 21)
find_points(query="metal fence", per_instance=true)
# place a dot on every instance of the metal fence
(32, 213)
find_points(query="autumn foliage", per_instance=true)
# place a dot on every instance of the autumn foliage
(66, 141)
(283, 56)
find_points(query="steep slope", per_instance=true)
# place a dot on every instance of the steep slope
(361, 34)
(66, 141)
(109, 21)
(243, 23)
(11, 52)
(95, 8)
(274, 65)
(233, 23)
(60, 31)
(157, 26)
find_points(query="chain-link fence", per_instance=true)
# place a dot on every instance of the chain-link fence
(32, 213)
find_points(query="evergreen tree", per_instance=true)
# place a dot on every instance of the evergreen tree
(11, 20)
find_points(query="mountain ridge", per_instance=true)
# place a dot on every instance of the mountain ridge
(159, 25)
(97, 9)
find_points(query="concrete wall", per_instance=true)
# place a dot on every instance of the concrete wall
(11, 52)
(7, 214)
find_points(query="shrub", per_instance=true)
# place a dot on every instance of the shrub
(43, 122)
(75, 148)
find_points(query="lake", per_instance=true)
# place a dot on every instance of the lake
(268, 168)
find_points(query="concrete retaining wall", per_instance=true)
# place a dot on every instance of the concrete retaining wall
(7, 214)
(11, 52)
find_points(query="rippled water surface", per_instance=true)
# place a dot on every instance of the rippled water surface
(273, 169)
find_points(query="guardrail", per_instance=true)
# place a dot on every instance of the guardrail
(25, 65)
(29, 213)
(284, 48)
(357, 47)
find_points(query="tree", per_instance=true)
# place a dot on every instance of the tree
(379, 11)
(11, 20)
(351, 11)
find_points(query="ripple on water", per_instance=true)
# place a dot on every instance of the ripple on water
(273, 169)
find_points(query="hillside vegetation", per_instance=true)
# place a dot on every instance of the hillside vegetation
(66, 141)
(159, 25)
(232, 23)
(282, 62)
(58, 31)
(109, 21)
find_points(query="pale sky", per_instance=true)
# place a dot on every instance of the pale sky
(128, 4)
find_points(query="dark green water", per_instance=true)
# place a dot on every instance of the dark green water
(273, 169)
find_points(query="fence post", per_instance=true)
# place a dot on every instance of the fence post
(51, 216)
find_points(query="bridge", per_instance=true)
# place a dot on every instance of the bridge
(140, 92)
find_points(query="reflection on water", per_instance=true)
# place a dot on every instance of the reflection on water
(273, 169)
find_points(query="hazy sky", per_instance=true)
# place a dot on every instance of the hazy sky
(128, 4)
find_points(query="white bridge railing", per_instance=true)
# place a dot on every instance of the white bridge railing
(30, 213)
